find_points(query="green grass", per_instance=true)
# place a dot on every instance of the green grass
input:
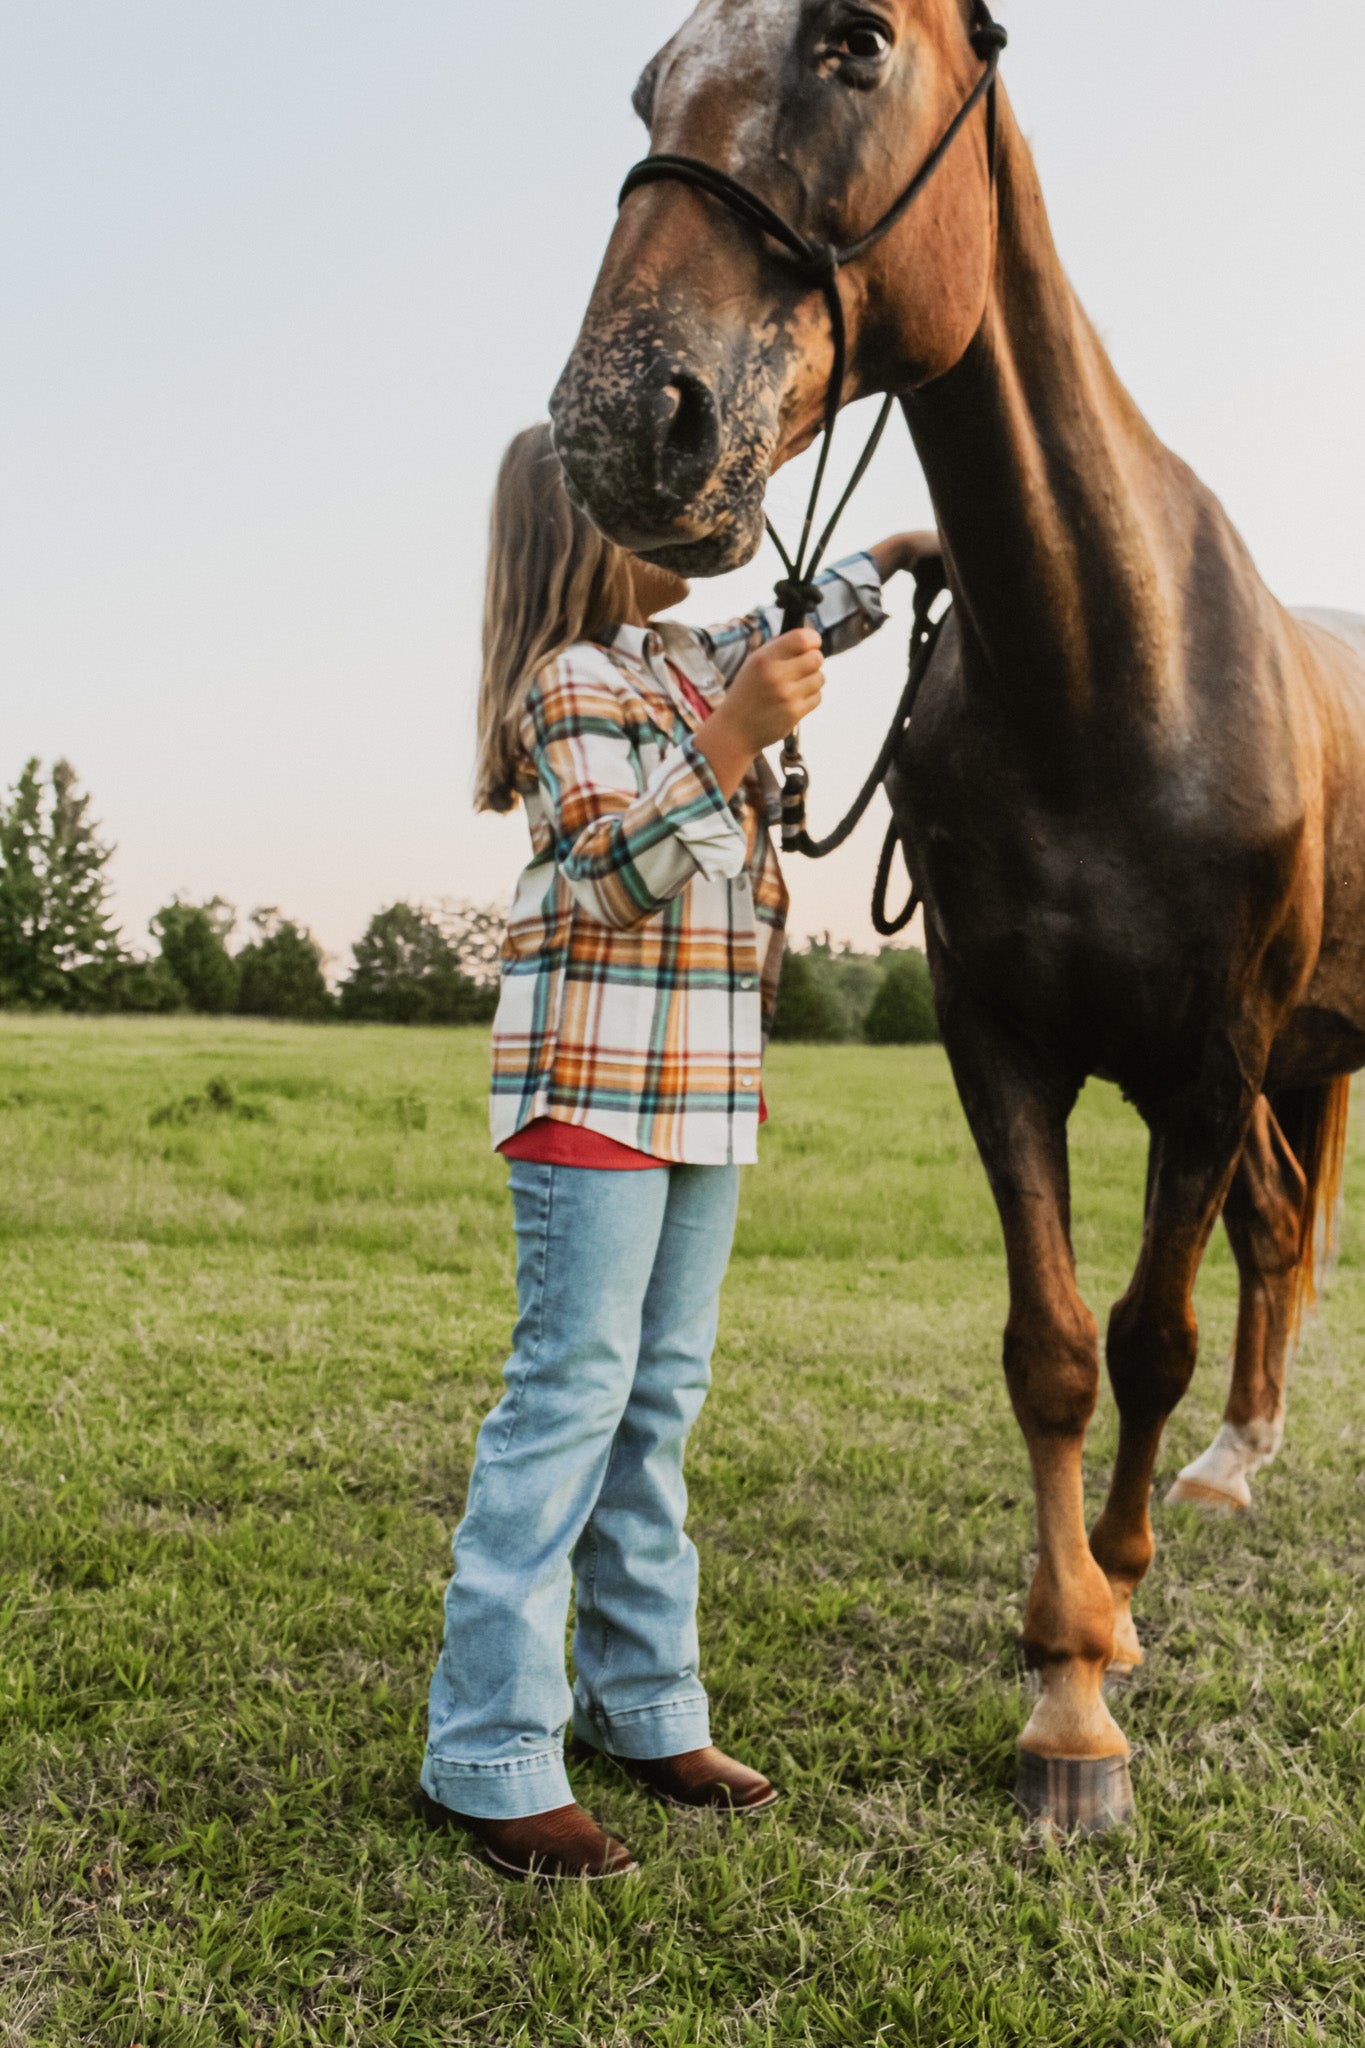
(242, 1360)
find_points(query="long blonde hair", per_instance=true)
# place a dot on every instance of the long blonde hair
(552, 579)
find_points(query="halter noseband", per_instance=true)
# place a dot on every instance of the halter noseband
(819, 265)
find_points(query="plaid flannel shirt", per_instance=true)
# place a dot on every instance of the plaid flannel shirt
(645, 939)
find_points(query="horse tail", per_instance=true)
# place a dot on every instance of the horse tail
(1315, 1122)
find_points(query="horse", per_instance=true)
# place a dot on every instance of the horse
(1133, 788)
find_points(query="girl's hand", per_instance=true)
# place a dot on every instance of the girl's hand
(777, 687)
(903, 551)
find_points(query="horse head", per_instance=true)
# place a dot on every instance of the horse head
(704, 357)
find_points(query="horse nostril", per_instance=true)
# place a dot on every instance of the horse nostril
(686, 434)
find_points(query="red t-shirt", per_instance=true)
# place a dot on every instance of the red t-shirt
(546, 1141)
(690, 691)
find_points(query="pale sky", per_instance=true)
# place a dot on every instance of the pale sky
(278, 278)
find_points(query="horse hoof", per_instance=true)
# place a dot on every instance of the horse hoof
(1084, 1795)
(1233, 1499)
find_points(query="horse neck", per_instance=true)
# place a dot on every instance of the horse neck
(1051, 491)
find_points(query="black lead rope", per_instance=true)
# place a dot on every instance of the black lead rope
(820, 263)
(929, 583)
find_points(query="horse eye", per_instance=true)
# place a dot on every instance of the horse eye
(865, 40)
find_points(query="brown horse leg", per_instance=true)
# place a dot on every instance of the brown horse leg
(1152, 1343)
(1263, 1216)
(1073, 1768)
(1293, 1182)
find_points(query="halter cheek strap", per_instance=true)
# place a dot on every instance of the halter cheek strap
(819, 265)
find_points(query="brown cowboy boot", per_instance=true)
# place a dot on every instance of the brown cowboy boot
(565, 1842)
(702, 1777)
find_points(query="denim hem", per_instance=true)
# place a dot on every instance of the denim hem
(643, 1734)
(510, 1791)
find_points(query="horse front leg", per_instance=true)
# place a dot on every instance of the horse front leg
(1153, 1340)
(1073, 1754)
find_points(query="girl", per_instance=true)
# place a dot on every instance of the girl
(639, 973)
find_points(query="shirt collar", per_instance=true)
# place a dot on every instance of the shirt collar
(658, 649)
(642, 642)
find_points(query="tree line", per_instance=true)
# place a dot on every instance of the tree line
(61, 949)
(833, 995)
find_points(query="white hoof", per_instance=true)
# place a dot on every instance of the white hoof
(1188, 1488)
(1219, 1479)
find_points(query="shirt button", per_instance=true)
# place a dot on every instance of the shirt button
(741, 884)
(748, 981)
(747, 1081)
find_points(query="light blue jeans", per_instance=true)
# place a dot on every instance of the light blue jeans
(579, 1471)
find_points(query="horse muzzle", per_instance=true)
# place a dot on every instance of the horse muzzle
(668, 448)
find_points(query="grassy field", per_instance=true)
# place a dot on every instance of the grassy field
(246, 1341)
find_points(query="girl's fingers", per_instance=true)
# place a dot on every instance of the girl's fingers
(802, 665)
(800, 640)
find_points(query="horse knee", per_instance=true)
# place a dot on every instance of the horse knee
(1151, 1356)
(1052, 1368)
(1122, 1544)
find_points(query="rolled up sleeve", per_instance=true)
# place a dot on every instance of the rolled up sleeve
(850, 610)
(624, 851)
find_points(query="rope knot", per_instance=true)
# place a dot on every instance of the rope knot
(989, 38)
(797, 599)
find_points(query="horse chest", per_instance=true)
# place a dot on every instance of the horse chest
(1054, 905)
(1093, 903)
(1048, 863)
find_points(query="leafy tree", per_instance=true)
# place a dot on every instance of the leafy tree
(409, 970)
(193, 941)
(852, 978)
(825, 994)
(144, 986)
(280, 971)
(902, 1011)
(828, 995)
(808, 1006)
(58, 945)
